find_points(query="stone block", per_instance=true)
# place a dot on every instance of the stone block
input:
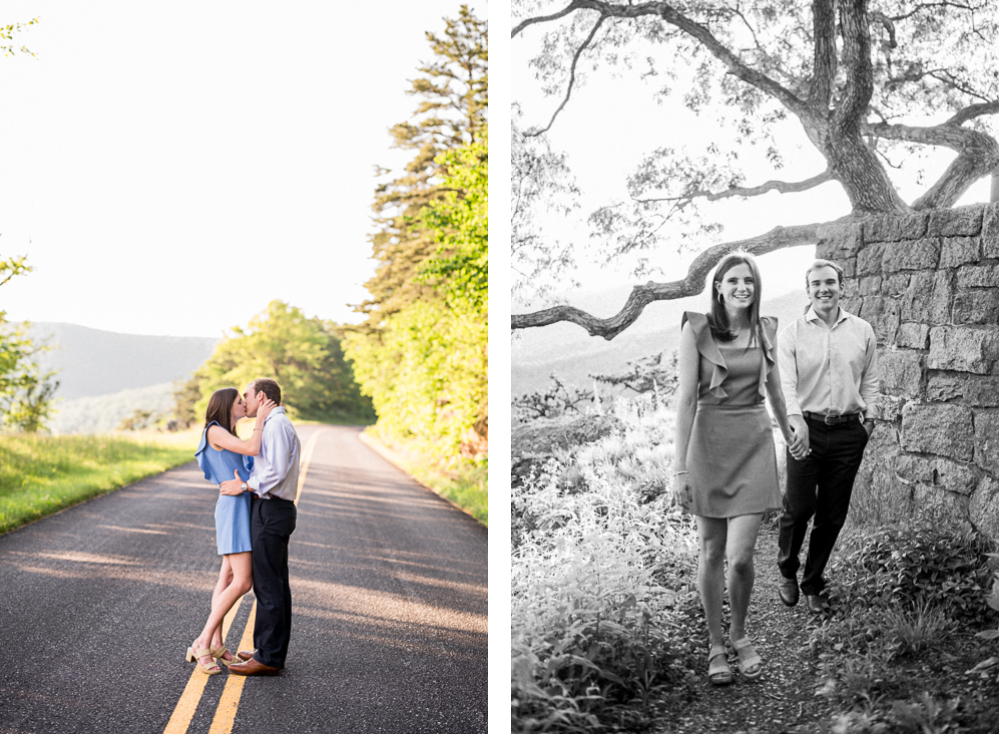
(941, 429)
(869, 260)
(957, 251)
(978, 276)
(870, 285)
(911, 255)
(889, 408)
(986, 440)
(883, 315)
(941, 507)
(850, 266)
(879, 496)
(952, 476)
(900, 373)
(983, 507)
(913, 336)
(977, 390)
(963, 349)
(895, 284)
(839, 241)
(851, 304)
(977, 306)
(895, 227)
(988, 241)
(964, 220)
(914, 302)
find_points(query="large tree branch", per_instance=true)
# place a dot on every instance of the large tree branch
(572, 78)
(544, 18)
(783, 187)
(977, 153)
(692, 285)
(858, 88)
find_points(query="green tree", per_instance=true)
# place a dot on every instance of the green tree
(871, 84)
(26, 392)
(303, 354)
(7, 33)
(459, 222)
(452, 90)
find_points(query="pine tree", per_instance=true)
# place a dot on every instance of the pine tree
(452, 89)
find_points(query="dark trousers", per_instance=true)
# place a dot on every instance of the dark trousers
(819, 488)
(271, 524)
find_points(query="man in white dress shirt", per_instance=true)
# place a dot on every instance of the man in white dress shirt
(274, 482)
(829, 376)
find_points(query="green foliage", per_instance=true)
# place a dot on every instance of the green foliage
(25, 391)
(7, 33)
(422, 355)
(40, 475)
(303, 354)
(460, 223)
(139, 419)
(452, 89)
(427, 374)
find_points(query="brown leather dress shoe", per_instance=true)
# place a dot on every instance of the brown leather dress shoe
(245, 655)
(252, 667)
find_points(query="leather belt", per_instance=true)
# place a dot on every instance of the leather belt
(831, 420)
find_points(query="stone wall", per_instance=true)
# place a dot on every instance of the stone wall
(927, 282)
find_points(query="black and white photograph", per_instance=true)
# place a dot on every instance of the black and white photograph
(754, 344)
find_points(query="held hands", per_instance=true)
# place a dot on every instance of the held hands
(232, 487)
(798, 446)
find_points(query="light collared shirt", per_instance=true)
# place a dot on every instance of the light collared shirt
(276, 468)
(826, 370)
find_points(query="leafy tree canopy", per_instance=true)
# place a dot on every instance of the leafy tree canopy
(871, 83)
(303, 354)
(453, 94)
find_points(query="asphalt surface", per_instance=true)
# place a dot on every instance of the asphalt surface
(389, 628)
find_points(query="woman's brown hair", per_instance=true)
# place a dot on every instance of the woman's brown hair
(220, 408)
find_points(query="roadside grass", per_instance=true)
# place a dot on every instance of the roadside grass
(40, 475)
(463, 482)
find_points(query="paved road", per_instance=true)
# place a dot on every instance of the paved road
(98, 603)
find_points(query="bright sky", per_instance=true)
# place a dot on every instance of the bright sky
(171, 168)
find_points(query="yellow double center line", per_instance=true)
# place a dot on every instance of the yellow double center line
(225, 713)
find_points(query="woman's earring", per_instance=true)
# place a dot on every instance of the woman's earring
(722, 301)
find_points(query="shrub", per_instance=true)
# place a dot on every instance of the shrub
(913, 567)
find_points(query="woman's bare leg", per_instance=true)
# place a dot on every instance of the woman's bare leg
(739, 553)
(238, 574)
(712, 532)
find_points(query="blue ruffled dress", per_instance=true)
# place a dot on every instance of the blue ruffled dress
(232, 514)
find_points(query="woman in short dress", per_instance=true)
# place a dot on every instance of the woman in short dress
(223, 455)
(726, 472)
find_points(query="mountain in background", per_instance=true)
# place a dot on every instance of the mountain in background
(105, 376)
(95, 362)
(568, 351)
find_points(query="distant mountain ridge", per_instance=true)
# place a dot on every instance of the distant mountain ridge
(569, 352)
(93, 362)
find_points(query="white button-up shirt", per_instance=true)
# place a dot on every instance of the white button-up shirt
(276, 469)
(828, 370)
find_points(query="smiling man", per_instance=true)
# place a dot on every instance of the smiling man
(829, 375)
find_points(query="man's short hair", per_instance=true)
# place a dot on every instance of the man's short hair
(269, 387)
(817, 264)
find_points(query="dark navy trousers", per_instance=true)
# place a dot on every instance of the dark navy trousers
(271, 524)
(819, 488)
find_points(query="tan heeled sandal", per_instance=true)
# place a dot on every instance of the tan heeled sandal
(192, 657)
(218, 652)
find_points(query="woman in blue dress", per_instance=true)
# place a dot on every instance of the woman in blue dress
(221, 455)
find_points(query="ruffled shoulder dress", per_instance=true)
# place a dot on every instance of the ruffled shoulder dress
(232, 514)
(731, 463)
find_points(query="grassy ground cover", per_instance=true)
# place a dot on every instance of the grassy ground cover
(40, 475)
(463, 482)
